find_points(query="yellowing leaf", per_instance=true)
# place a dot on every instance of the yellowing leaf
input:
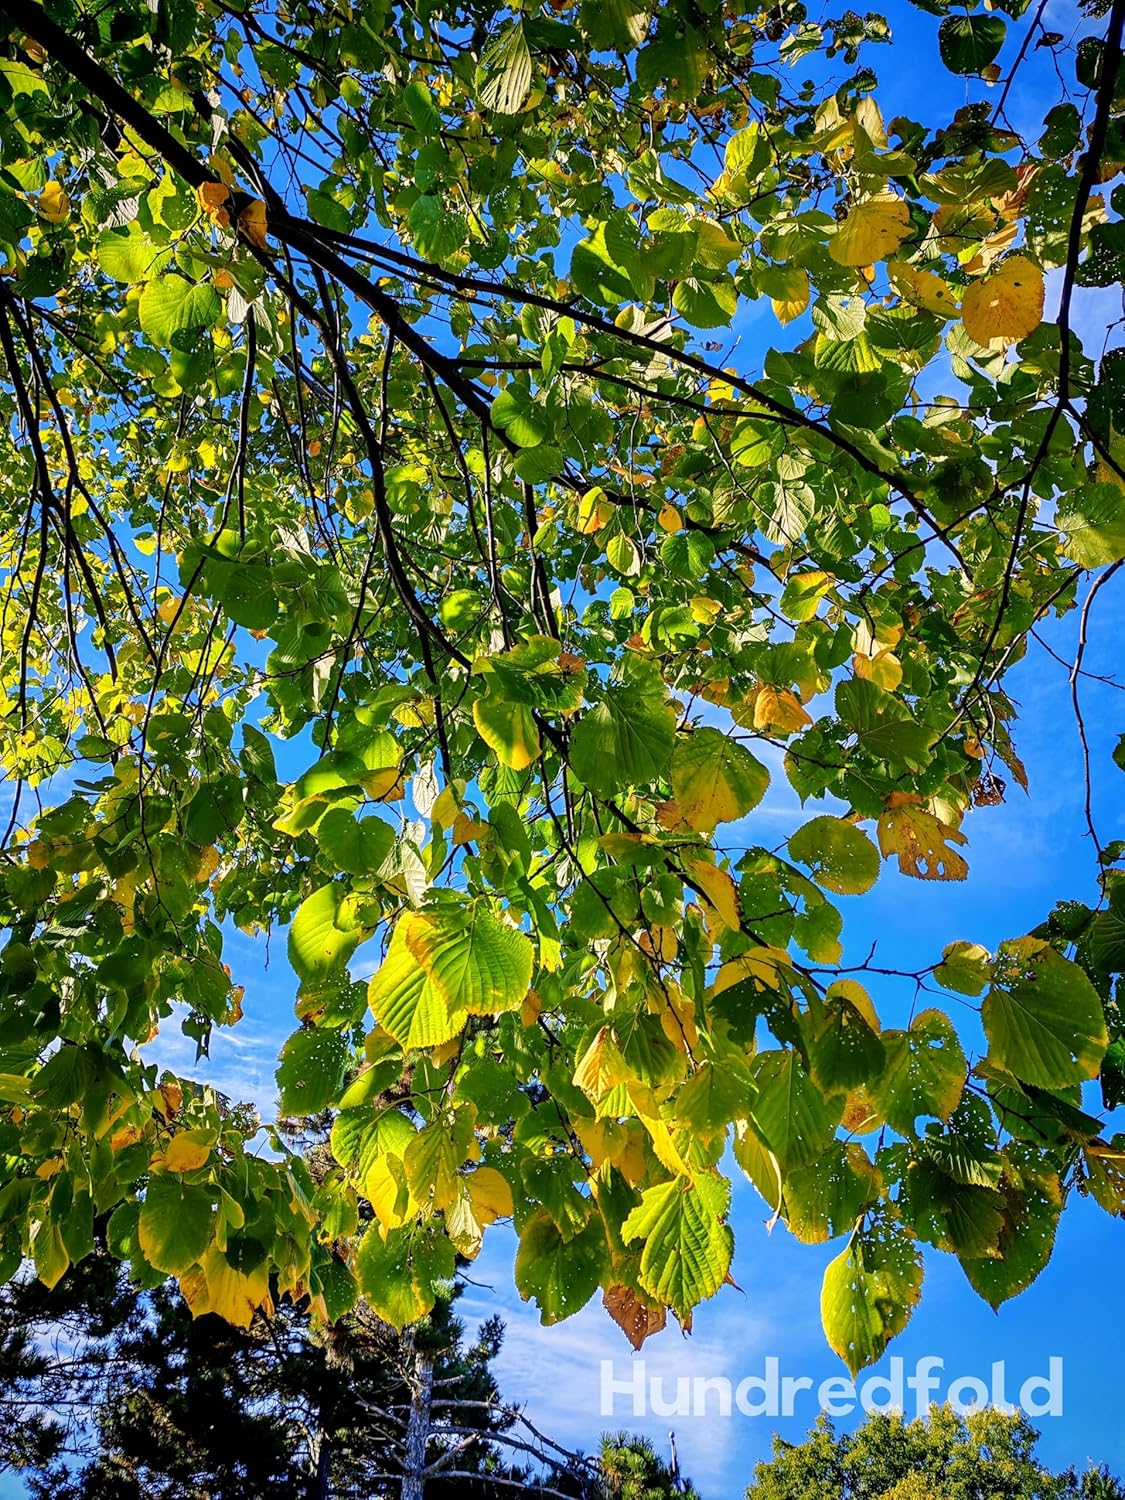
(187, 1150)
(780, 710)
(509, 729)
(1007, 305)
(719, 889)
(601, 1067)
(384, 785)
(234, 1295)
(490, 1194)
(920, 840)
(386, 1189)
(869, 1292)
(883, 668)
(252, 222)
(924, 289)
(212, 197)
(594, 511)
(53, 204)
(714, 779)
(872, 231)
(793, 297)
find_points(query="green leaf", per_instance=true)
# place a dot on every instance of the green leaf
(1032, 1202)
(617, 25)
(869, 1292)
(324, 933)
(131, 257)
(841, 856)
(846, 1051)
(508, 728)
(398, 1276)
(419, 104)
(706, 304)
(826, 1198)
(1093, 520)
(437, 231)
(504, 75)
(969, 43)
(474, 962)
(561, 1275)
(626, 741)
(433, 1158)
(363, 1134)
(176, 1223)
(793, 1116)
(687, 1246)
(355, 847)
(174, 311)
(1042, 1016)
(311, 1070)
(924, 1073)
(714, 780)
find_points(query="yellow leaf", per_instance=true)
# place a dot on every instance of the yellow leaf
(872, 231)
(602, 1140)
(719, 889)
(883, 669)
(215, 1286)
(468, 830)
(870, 120)
(490, 1195)
(53, 205)
(923, 289)
(594, 511)
(762, 966)
(601, 1067)
(212, 197)
(669, 519)
(1007, 305)
(704, 609)
(464, 1229)
(794, 297)
(252, 222)
(780, 709)
(384, 785)
(168, 1098)
(187, 1150)
(663, 1146)
(920, 840)
(385, 1189)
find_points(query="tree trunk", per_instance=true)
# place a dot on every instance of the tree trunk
(418, 1425)
(320, 1486)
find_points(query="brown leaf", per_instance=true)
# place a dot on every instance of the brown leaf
(633, 1316)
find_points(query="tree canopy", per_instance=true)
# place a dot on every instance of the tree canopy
(989, 1455)
(400, 547)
